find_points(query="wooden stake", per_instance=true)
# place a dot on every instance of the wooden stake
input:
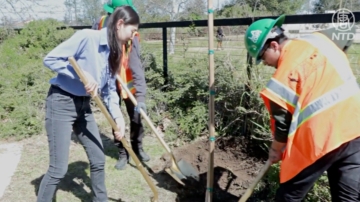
(210, 173)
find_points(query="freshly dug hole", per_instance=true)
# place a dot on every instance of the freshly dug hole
(234, 170)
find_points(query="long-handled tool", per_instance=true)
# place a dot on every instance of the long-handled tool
(250, 190)
(114, 126)
(178, 170)
(210, 173)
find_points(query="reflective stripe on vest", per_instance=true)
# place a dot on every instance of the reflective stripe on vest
(130, 85)
(284, 92)
(341, 93)
(277, 90)
(102, 22)
(125, 71)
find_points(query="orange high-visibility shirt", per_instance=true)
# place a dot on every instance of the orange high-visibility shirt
(315, 83)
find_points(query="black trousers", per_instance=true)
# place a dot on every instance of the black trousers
(343, 170)
(136, 129)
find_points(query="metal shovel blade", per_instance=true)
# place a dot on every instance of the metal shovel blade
(188, 170)
(174, 175)
(181, 170)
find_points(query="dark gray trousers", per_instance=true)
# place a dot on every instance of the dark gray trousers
(136, 130)
(63, 112)
(343, 170)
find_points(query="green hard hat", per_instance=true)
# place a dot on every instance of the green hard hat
(257, 34)
(111, 5)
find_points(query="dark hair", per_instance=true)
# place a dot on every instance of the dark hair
(130, 17)
(279, 39)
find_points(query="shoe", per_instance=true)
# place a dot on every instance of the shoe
(142, 155)
(121, 163)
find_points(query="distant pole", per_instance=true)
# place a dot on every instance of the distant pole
(210, 173)
(340, 4)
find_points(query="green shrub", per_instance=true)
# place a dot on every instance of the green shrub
(5, 33)
(24, 79)
(186, 98)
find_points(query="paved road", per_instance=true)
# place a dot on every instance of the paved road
(10, 154)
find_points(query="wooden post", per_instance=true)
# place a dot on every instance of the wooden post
(165, 57)
(245, 130)
(210, 173)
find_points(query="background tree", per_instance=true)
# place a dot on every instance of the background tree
(82, 12)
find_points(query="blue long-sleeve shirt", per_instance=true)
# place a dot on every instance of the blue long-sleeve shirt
(90, 49)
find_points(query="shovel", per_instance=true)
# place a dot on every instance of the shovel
(178, 170)
(250, 190)
(114, 126)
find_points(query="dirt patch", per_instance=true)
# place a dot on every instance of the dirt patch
(234, 170)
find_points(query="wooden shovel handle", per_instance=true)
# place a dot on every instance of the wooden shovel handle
(143, 114)
(97, 99)
(249, 191)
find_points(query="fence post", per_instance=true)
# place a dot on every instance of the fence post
(247, 91)
(165, 63)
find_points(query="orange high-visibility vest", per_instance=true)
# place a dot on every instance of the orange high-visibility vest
(315, 83)
(125, 72)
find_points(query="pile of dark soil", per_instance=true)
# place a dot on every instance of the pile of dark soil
(235, 167)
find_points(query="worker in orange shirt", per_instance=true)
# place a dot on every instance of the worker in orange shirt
(314, 104)
(133, 75)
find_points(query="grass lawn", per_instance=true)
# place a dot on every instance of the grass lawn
(127, 185)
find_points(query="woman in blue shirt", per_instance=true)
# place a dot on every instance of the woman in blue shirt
(68, 102)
